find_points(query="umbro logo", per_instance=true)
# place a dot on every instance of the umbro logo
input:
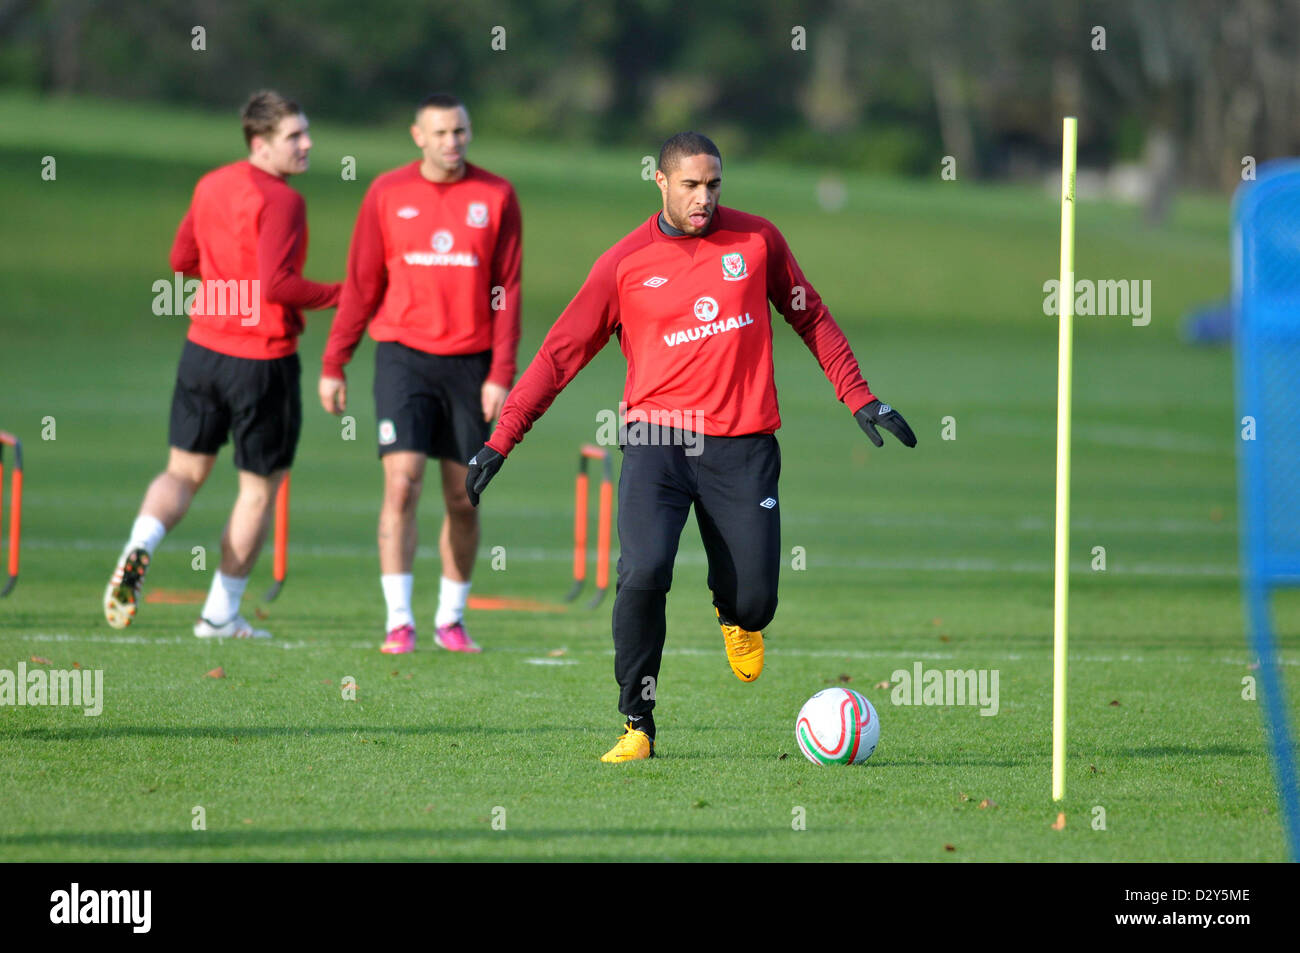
(408, 211)
(884, 409)
(655, 282)
(768, 503)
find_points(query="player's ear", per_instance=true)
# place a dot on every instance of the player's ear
(661, 180)
(415, 136)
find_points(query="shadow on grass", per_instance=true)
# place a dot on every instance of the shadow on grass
(948, 762)
(251, 837)
(1192, 751)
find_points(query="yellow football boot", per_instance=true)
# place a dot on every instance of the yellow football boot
(744, 650)
(633, 745)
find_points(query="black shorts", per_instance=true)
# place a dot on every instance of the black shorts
(259, 401)
(430, 403)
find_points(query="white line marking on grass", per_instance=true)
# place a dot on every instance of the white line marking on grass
(550, 661)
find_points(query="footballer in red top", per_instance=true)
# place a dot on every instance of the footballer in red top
(434, 272)
(245, 236)
(687, 294)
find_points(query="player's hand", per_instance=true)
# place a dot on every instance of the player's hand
(494, 395)
(482, 468)
(876, 414)
(333, 394)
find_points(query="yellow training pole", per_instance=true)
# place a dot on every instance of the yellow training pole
(1060, 615)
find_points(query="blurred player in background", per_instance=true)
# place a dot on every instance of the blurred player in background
(245, 235)
(434, 270)
(687, 294)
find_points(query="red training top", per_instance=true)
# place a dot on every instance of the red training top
(692, 317)
(247, 225)
(437, 265)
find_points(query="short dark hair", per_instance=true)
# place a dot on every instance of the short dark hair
(682, 145)
(263, 112)
(438, 101)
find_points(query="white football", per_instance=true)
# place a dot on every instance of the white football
(837, 726)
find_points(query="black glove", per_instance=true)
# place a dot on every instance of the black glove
(878, 414)
(482, 468)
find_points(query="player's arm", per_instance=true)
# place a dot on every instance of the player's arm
(507, 263)
(575, 338)
(363, 291)
(282, 230)
(798, 301)
(184, 256)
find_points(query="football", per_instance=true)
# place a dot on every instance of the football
(837, 726)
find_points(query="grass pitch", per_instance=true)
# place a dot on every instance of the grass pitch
(940, 555)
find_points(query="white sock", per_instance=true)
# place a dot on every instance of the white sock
(451, 602)
(146, 533)
(397, 594)
(223, 598)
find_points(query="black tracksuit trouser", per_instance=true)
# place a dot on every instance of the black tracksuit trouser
(732, 482)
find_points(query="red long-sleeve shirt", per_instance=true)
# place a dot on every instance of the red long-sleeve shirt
(244, 225)
(437, 267)
(692, 318)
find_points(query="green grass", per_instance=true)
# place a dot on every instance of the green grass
(940, 555)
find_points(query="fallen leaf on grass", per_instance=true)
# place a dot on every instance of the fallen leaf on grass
(944, 638)
(248, 820)
(327, 681)
(988, 802)
(1114, 704)
(1059, 823)
(846, 678)
(41, 660)
(963, 796)
(885, 685)
(261, 613)
(217, 672)
(936, 621)
(950, 848)
(557, 653)
(784, 755)
(76, 665)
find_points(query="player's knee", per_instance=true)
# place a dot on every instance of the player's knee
(755, 610)
(401, 491)
(255, 496)
(645, 575)
(190, 474)
(460, 509)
